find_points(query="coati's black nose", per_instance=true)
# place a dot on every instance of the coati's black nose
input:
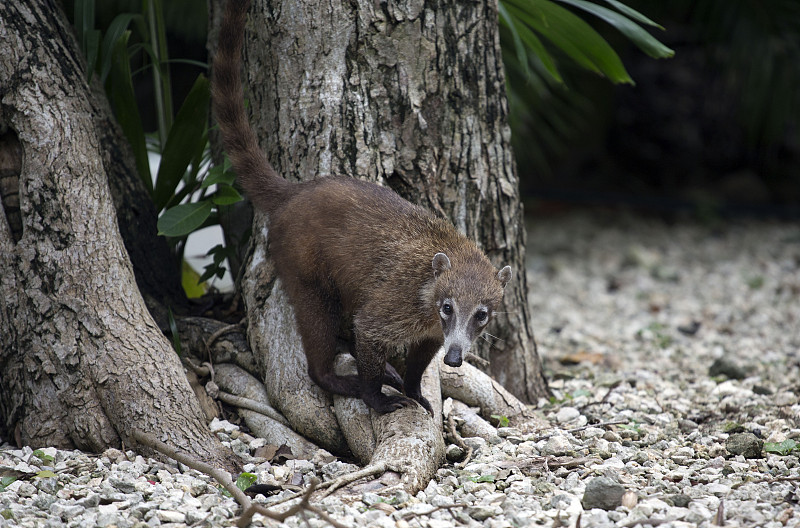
(453, 356)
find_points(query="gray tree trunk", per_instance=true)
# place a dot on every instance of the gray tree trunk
(409, 94)
(82, 362)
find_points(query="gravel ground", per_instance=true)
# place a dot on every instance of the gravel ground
(673, 352)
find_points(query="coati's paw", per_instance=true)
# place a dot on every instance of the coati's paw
(385, 404)
(392, 378)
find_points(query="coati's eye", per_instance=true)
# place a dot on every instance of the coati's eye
(447, 309)
(481, 316)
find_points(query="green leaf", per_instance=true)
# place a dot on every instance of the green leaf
(246, 480)
(634, 14)
(485, 478)
(114, 32)
(92, 38)
(45, 474)
(126, 109)
(219, 174)
(84, 20)
(502, 420)
(627, 27)
(184, 139)
(41, 455)
(183, 219)
(6, 514)
(6, 481)
(781, 448)
(226, 195)
(523, 36)
(571, 35)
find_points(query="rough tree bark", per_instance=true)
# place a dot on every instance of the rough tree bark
(82, 362)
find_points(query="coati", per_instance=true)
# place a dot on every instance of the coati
(344, 246)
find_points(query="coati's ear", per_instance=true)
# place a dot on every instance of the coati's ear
(504, 275)
(440, 263)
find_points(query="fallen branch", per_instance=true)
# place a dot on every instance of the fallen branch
(220, 475)
(224, 479)
(451, 429)
(299, 508)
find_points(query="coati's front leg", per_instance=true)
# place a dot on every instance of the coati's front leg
(419, 357)
(371, 362)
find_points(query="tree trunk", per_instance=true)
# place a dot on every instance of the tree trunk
(82, 362)
(407, 94)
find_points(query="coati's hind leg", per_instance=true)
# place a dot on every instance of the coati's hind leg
(317, 322)
(419, 357)
(372, 372)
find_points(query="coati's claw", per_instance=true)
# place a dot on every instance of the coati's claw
(425, 404)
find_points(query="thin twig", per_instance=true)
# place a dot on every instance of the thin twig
(581, 428)
(604, 399)
(220, 475)
(410, 515)
(216, 335)
(344, 480)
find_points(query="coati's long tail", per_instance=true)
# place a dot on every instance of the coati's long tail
(257, 176)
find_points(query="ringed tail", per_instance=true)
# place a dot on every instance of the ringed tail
(262, 184)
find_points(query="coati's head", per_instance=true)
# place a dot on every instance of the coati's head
(466, 295)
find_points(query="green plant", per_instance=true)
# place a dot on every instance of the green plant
(246, 480)
(542, 42)
(41, 455)
(501, 420)
(186, 188)
(481, 478)
(633, 426)
(6, 482)
(781, 448)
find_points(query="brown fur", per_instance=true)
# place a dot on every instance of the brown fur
(343, 246)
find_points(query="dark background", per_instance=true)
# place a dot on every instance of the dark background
(711, 133)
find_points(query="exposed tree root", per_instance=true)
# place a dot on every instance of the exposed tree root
(259, 416)
(469, 423)
(477, 389)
